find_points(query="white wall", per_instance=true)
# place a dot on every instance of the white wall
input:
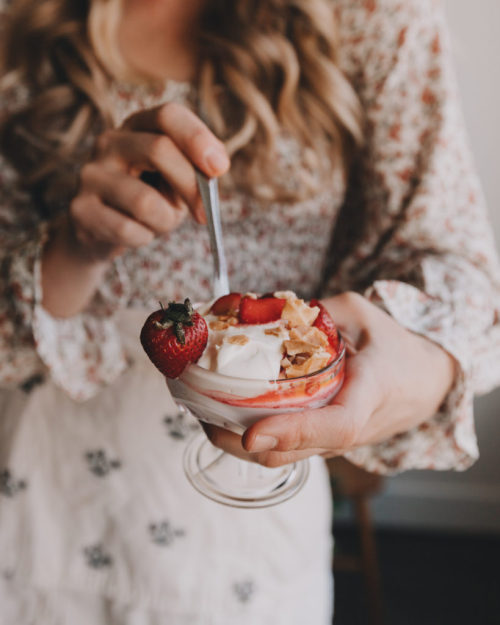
(469, 500)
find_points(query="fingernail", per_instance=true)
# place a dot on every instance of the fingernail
(216, 160)
(263, 443)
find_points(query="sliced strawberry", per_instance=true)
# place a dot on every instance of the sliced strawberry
(263, 310)
(174, 337)
(227, 304)
(325, 323)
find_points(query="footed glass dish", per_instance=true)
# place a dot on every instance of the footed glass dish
(235, 404)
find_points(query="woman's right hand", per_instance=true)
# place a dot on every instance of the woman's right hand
(115, 208)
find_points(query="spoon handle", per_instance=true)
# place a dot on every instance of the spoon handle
(210, 196)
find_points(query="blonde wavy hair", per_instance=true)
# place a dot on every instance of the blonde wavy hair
(269, 69)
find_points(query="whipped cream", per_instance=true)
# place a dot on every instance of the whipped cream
(244, 351)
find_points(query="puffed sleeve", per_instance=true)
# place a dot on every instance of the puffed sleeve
(80, 354)
(426, 252)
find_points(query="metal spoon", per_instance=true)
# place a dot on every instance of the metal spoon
(210, 196)
(220, 284)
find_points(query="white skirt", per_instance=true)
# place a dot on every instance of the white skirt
(99, 525)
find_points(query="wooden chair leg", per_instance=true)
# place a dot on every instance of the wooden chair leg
(369, 560)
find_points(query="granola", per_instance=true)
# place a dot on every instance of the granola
(238, 339)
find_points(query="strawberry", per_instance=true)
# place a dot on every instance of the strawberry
(262, 310)
(325, 323)
(227, 304)
(174, 337)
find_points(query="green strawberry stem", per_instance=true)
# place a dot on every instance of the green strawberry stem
(178, 316)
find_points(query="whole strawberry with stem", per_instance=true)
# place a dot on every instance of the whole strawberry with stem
(174, 337)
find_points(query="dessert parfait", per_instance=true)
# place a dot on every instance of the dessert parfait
(235, 360)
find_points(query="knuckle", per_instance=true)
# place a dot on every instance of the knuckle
(292, 439)
(167, 111)
(129, 234)
(88, 173)
(82, 208)
(354, 299)
(166, 225)
(144, 238)
(171, 220)
(359, 306)
(124, 230)
(104, 140)
(80, 219)
(347, 436)
(77, 207)
(179, 215)
(143, 203)
(197, 137)
(168, 219)
(159, 149)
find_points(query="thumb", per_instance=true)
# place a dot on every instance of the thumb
(335, 426)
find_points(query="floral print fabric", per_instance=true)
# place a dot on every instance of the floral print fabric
(409, 229)
(413, 189)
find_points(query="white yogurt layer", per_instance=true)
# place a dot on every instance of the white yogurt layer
(257, 357)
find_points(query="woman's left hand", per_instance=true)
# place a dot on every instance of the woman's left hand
(394, 380)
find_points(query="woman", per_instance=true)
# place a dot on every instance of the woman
(349, 176)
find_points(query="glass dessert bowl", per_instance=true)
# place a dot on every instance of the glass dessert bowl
(236, 360)
(235, 404)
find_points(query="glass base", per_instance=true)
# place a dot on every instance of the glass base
(238, 483)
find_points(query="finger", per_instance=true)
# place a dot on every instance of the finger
(345, 305)
(336, 426)
(157, 152)
(200, 146)
(231, 443)
(137, 199)
(331, 427)
(103, 223)
(274, 459)
(226, 440)
(350, 313)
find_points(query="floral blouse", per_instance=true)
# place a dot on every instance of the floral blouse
(409, 229)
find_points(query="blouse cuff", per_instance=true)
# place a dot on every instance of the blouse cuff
(82, 353)
(448, 440)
